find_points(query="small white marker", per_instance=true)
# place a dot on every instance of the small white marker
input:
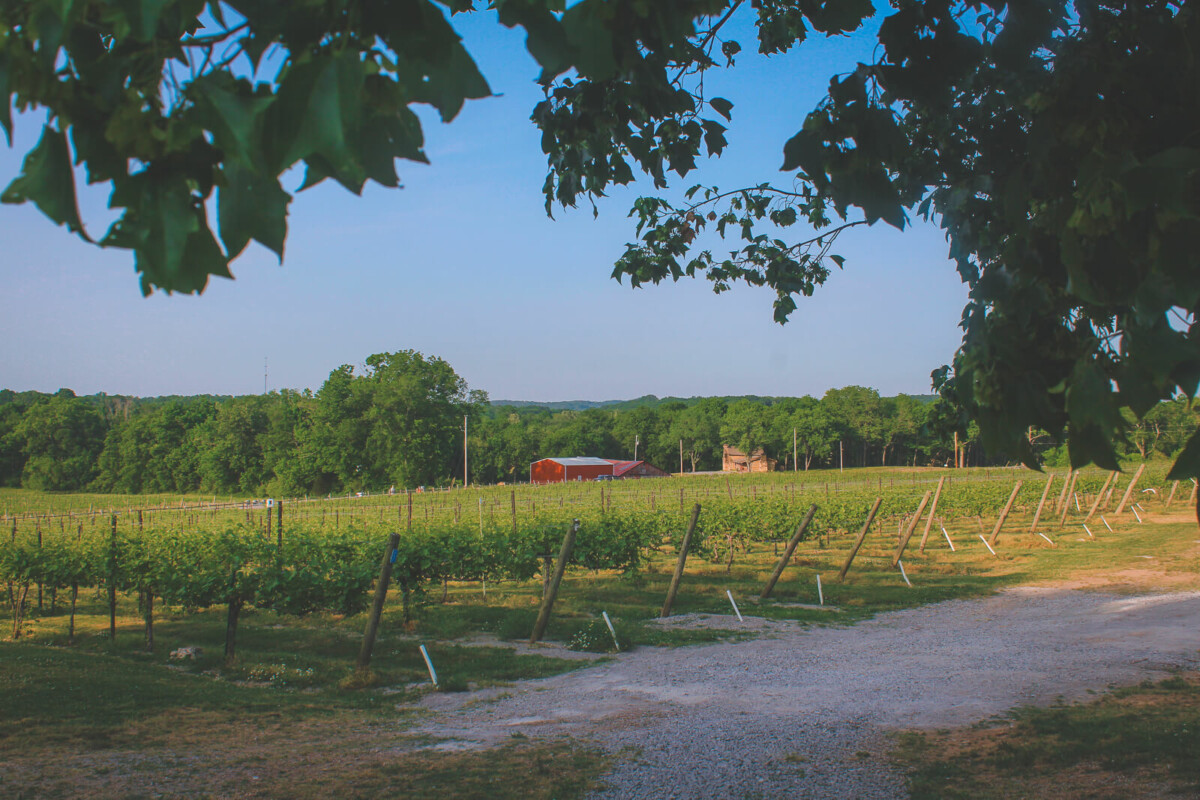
(1102, 519)
(947, 535)
(1089, 531)
(820, 594)
(985, 544)
(1139, 516)
(1077, 508)
(904, 574)
(729, 594)
(611, 629)
(1047, 538)
(428, 663)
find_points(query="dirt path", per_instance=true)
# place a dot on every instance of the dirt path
(805, 713)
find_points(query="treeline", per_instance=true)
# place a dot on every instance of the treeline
(399, 422)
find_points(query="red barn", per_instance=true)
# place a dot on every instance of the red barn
(559, 470)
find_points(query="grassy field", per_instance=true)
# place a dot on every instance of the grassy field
(1141, 741)
(100, 710)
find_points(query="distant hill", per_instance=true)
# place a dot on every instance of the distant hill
(649, 400)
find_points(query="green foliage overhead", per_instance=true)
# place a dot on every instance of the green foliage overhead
(1052, 140)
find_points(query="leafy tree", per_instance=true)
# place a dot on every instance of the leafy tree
(699, 428)
(397, 423)
(503, 447)
(150, 451)
(814, 429)
(61, 440)
(857, 416)
(12, 456)
(579, 433)
(747, 426)
(230, 447)
(905, 416)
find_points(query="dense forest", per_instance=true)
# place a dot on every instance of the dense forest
(398, 421)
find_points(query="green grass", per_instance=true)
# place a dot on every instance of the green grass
(1148, 733)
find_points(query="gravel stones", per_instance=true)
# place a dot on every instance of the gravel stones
(805, 712)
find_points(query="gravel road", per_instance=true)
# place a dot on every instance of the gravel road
(805, 713)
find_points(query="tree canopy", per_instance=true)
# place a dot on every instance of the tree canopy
(398, 422)
(1052, 140)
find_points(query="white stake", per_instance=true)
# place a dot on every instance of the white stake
(1102, 519)
(1139, 516)
(985, 544)
(729, 594)
(1089, 531)
(1077, 508)
(820, 594)
(903, 574)
(428, 663)
(1048, 539)
(611, 629)
(947, 535)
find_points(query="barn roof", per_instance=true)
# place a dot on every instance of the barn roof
(580, 461)
(621, 467)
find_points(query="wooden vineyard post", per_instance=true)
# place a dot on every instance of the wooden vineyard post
(560, 567)
(1171, 496)
(1069, 493)
(1111, 488)
(385, 574)
(929, 522)
(408, 522)
(1038, 514)
(1068, 479)
(11, 601)
(279, 523)
(683, 554)
(1099, 497)
(1004, 515)
(908, 532)
(513, 497)
(787, 553)
(1129, 489)
(861, 536)
(38, 527)
(112, 582)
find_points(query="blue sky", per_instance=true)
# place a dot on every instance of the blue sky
(463, 263)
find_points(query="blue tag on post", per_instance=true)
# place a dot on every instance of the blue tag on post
(393, 559)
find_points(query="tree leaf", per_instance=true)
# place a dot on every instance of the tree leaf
(804, 152)
(5, 97)
(318, 110)
(233, 112)
(1187, 464)
(722, 107)
(251, 205)
(48, 180)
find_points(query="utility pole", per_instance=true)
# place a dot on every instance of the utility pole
(636, 441)
(681, 456)
(465, 451)
(841, 457)
(793, 449)
(264, 374)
